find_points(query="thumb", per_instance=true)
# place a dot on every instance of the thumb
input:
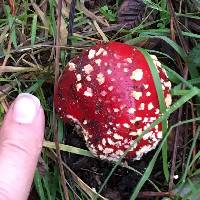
(21, 137)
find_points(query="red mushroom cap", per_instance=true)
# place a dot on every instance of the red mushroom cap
(109, 91)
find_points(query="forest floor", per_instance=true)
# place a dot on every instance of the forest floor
(37, 40)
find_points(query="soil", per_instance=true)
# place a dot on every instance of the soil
(94, 171)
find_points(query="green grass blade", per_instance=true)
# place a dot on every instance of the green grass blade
(152, 162)
(187, 83)
(11, 24)
(139, 173)
(47, 188)
(35, 86)
(173, 44)
(161, 54)
(153, 5)
(38, 185)
(162, 105)
(196, 157)
(60, 131)
(193, 92)
(196, 172)
(165, 32)
(33, 30)
(52, 21)
(68, 148)
(194, 143)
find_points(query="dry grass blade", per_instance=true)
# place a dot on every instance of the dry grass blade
(65, 8)
(70, 28)
(63, 26)
(7, 53)
(5, 105)
(12, 69)
(63, 31)
(90, 14)
(4, 34)
(5, 89)
(89, 191)
(40, 14)
(174, 23)
(56, 70)
(102, 34)
(81, 184)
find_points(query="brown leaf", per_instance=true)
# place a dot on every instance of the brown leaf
(134, 11)
(100, 2)
(92, 4)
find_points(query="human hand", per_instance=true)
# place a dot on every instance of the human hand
(21, 137)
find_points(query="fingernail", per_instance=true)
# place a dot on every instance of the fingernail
(25, 108)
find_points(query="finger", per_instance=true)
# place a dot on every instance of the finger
(21, 138)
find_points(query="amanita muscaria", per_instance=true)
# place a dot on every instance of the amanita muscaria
(109, 91)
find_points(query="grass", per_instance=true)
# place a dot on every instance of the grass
(28, 50)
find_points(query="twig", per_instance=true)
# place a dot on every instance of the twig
(56, 69)
(70, 27)
(177, 27)
(12, 6)
(194, 125)
(154, 194)
(90, 14)
(116, 27)
(194, 128)
(90, 192)
(71, 20)
(185, 74)
(185, 139)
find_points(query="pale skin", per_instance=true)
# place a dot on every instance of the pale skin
(21, 137)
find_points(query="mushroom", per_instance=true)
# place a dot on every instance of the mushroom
(109, 91)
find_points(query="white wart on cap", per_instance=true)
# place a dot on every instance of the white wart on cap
(109, 91)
